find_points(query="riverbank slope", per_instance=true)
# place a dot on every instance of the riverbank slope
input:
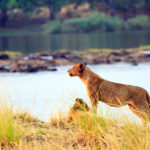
(23, 131)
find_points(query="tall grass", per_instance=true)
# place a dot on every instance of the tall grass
(103, 133)
(10, 131)
(86, 131)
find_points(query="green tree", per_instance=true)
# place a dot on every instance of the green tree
(53, 5)
(27, 5)
(6, 5)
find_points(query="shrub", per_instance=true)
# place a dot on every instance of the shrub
(137, 23)
(79, 24)
(96, 21)
(113, 23)
(53, 26)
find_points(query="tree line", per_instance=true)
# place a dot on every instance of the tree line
(56, 5)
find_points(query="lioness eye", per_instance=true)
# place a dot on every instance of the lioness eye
(81, 66)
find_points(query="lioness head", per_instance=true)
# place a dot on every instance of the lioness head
(76, 70)
(78, 107)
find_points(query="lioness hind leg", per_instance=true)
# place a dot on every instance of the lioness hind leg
(142, 112)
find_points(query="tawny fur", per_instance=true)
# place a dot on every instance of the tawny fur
(113, 94)
(78, 106)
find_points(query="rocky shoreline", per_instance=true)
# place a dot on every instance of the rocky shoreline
(48, 61)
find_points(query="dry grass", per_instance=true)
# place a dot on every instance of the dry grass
(21, 131)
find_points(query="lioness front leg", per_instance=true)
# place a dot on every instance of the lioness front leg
(94, 98)
(94, 104)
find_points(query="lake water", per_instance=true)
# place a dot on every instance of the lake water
(38, 42)
(47, 93)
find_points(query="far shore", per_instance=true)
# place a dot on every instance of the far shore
(48, 61)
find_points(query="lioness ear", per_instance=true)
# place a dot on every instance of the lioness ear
(81, 67)
(77, 99)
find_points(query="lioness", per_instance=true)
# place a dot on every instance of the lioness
(79, 106)
(113, 94)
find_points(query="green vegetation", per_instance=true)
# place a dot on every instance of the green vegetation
(28, 7)
(11, 54)
(138, 23)
(6, 5)
(53, 27)
(10, 131)
(124, 8)
(98, 22)
(144, 47)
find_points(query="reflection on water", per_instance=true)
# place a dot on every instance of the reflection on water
(38, 42)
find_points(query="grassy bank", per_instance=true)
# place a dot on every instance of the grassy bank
(22, 131)
(98, 22)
